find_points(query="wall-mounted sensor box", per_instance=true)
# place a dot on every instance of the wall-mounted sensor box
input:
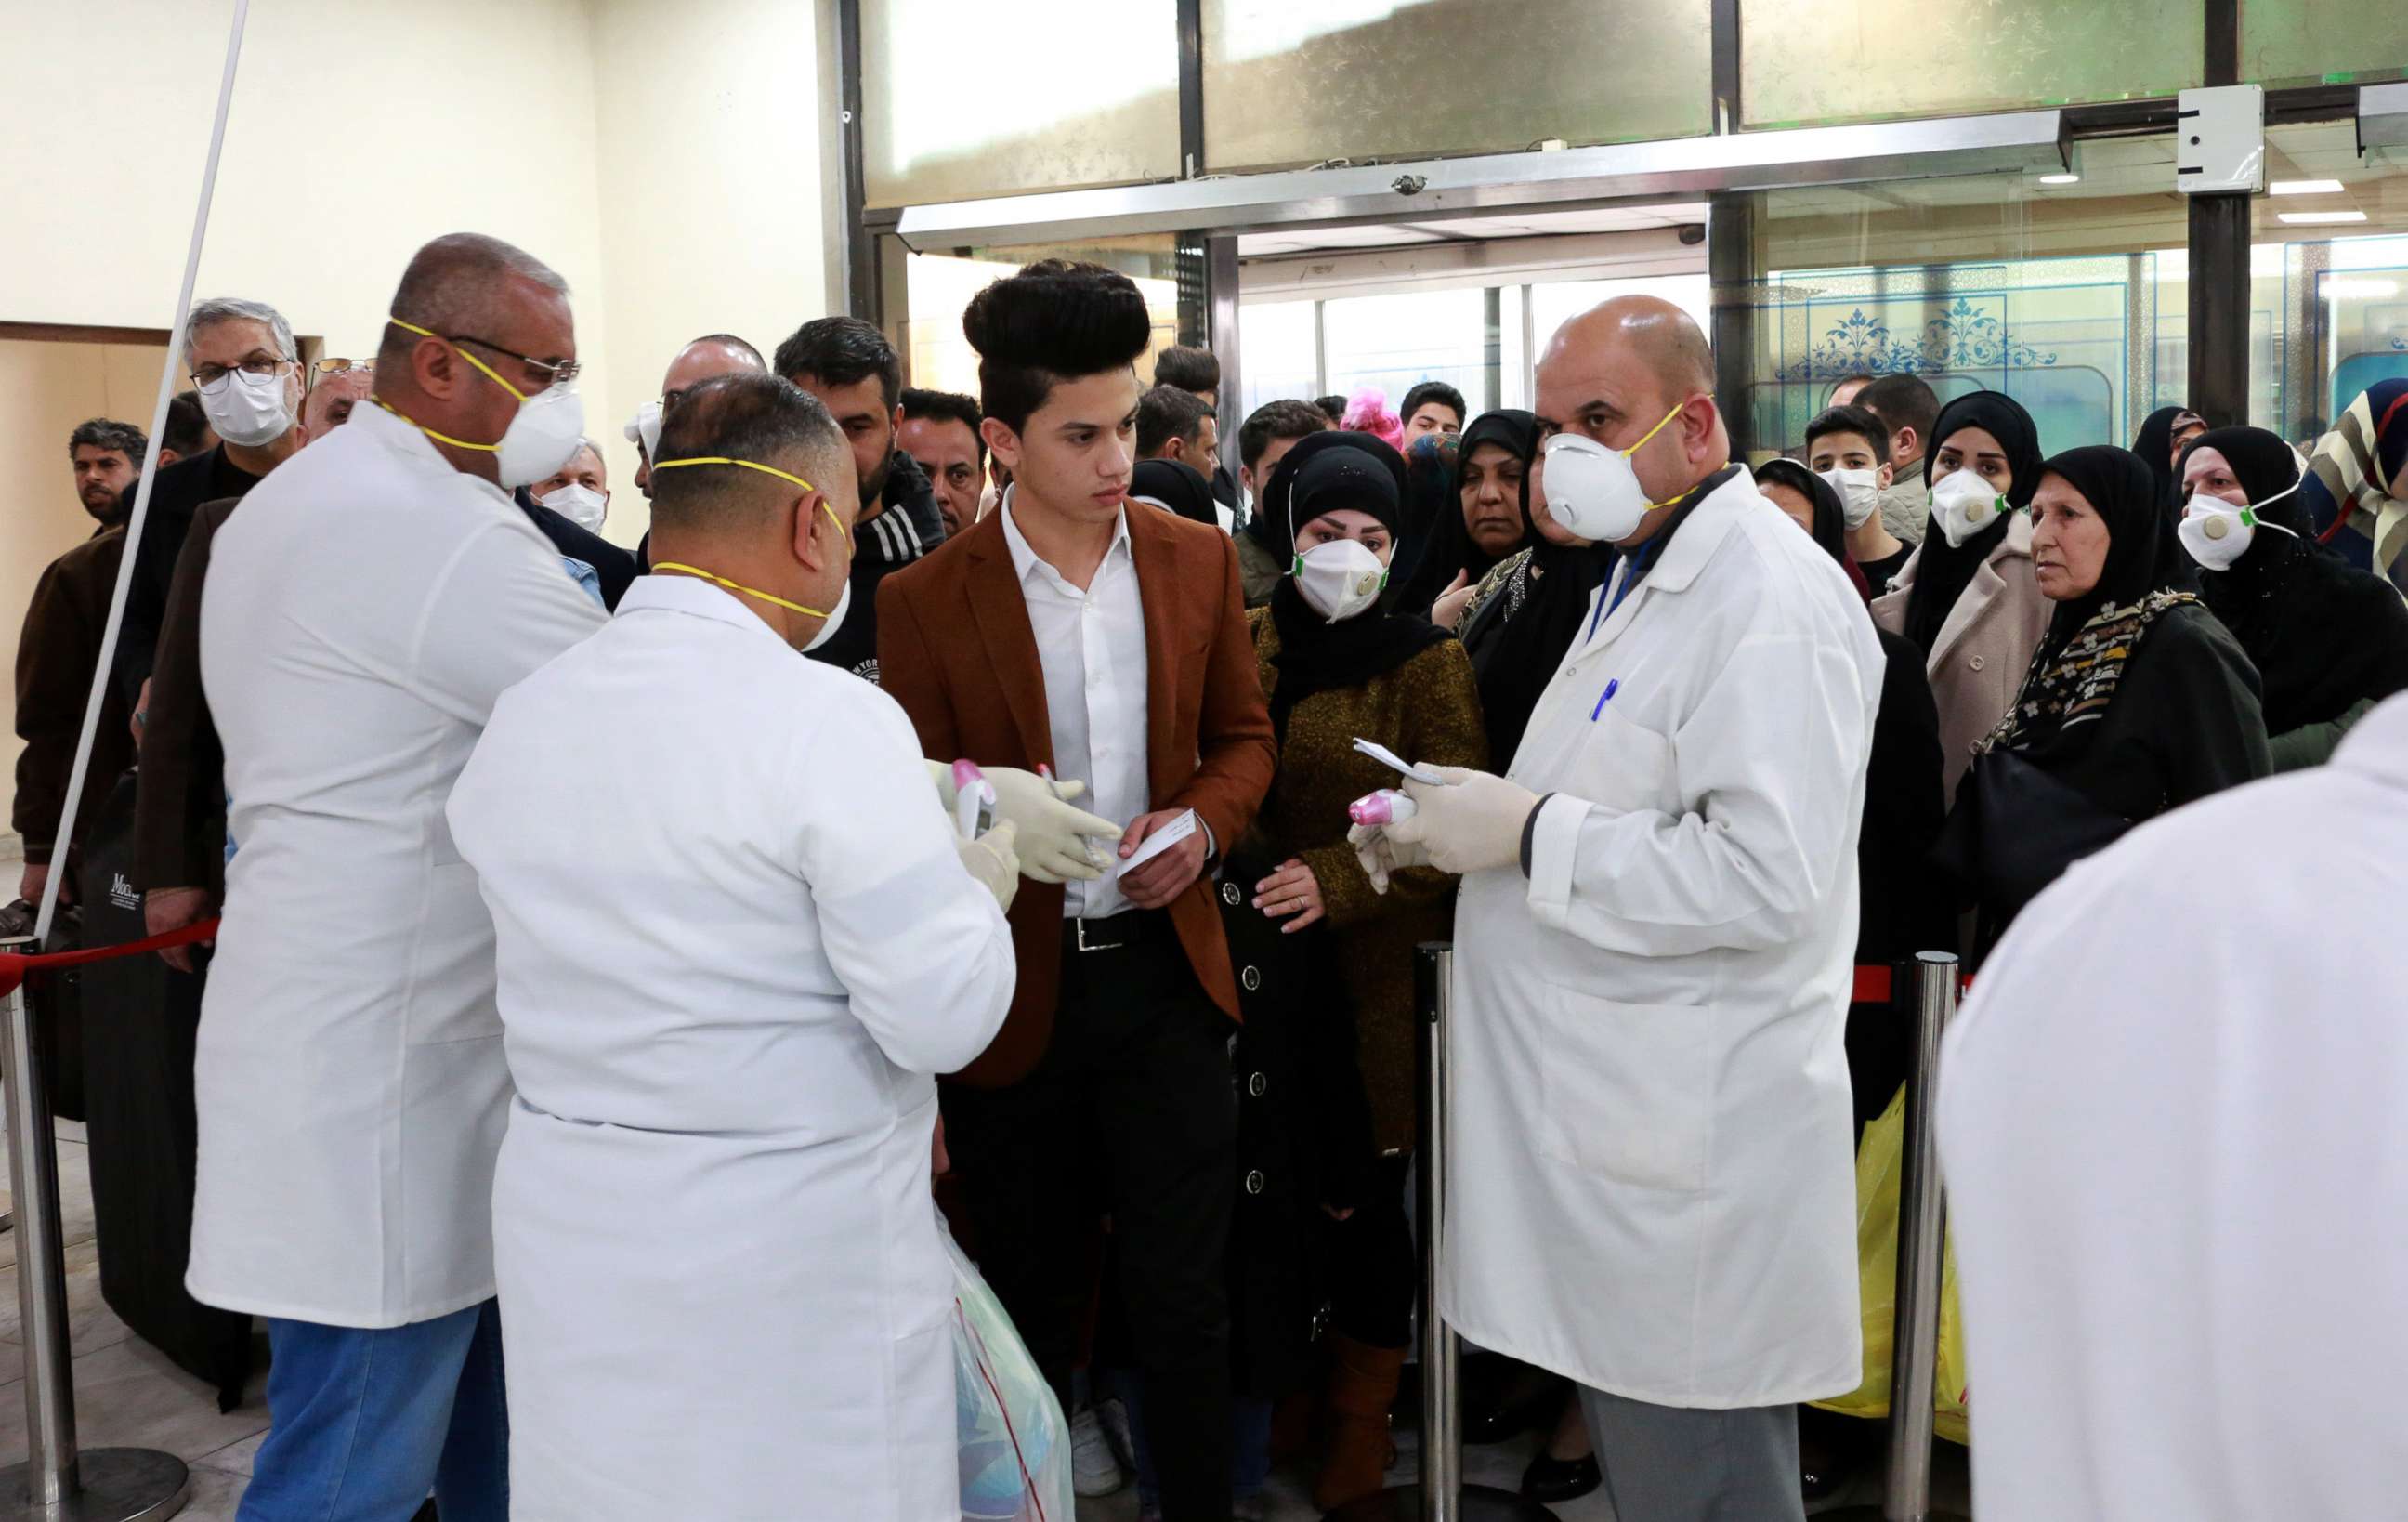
(2220, 141)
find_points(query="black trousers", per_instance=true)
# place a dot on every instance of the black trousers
(1130, 1111)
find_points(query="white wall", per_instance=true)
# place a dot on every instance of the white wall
(665, 158)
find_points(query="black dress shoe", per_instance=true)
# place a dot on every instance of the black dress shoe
(1517, 1398)
(1560, 1479)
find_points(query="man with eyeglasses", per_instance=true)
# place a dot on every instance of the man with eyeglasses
(242, 360)
(362, 612)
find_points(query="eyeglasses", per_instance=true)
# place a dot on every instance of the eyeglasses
(554, 371)
(212, 378)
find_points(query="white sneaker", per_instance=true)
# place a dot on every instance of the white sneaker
(1094, 1469)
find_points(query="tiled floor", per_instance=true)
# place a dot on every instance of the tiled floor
(127, 1395)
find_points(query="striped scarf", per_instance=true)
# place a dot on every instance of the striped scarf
(2363, 466)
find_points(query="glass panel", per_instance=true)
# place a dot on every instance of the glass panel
(2335, 41)
(2071, 299)
(1286, 85)
(2328, 278)
(938, 286)
(1809, 62)
(1395, 342)
(958, 103)
(1279, 348)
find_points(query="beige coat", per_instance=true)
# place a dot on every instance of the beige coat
(1977, 665)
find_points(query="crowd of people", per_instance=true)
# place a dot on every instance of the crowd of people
(565, 1077)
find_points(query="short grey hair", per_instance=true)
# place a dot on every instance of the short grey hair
(208, 314)
(455, 285)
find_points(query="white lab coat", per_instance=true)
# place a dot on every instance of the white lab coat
(1652, 1191)
(2170, 1119)
(736, 941)
(362, 612)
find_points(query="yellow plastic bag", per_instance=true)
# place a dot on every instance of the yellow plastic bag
(1878, 1169)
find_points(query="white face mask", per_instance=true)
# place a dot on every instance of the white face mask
(1593, 490)
(1339, 578)
(580, 505)
(1859, 494)
(1964, 503)
(645, 429)
(836, 617)
(541, 436)
(250, 409)
(2217, 533)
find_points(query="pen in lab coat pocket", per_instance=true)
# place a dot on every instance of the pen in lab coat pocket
(1612, 685)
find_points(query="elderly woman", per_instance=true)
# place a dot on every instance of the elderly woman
(2137, 700)
(2330, 641)
(1968, 599)
(1335, 667)
(1492, 468)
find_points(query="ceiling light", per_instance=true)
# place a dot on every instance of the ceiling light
(2060, 179)
(2304, 187)
(2317, 219)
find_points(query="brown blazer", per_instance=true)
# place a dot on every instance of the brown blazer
(180, 813)
(55, 656)
(956, 650)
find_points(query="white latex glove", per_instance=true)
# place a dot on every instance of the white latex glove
(992, 859)
(1058, 843)
(1380, 854)
(1469, 822)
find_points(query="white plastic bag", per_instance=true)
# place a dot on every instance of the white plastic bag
(1015, 1446)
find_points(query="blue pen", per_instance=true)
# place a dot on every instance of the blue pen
(1612, 685)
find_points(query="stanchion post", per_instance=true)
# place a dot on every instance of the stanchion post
(57, 1482)
(1922, 1214)
(1441, 1496)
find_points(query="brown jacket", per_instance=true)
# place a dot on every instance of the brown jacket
(956, 650)
(1425, 709)
(180, 814)
(56, 656)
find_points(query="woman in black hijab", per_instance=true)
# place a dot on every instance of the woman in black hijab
(2330, 641)
(2138, 701)
(1471, 541)
(2163, 435)
(1175, 487)
(1967, 599)
(1335, 667)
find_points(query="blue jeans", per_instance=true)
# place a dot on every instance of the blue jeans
(366, 1422)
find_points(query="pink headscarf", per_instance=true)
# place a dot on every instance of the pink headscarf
(1366, 411)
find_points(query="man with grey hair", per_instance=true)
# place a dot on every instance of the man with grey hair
(361, 614)
(795, 951)
(240, 356)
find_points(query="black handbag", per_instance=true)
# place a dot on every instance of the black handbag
(2015, 829)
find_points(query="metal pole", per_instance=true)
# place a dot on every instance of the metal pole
(56, 1482)
(1921, 1218)
(1441, 1496)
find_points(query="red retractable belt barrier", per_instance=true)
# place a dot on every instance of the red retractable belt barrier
(15, 969)
(1875, 983)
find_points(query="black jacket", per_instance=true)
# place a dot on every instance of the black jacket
(176, 494)
(905, 527)
(615, 568)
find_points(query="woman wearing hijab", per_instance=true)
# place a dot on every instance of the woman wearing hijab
(2163, 435)
(1967, 599)
(1335, 667)
(2330, 641)
(1178, 487)
(1492, 469)
(2357, 484)
(2136, 701)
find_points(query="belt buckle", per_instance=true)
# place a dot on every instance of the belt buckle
(1081, 933)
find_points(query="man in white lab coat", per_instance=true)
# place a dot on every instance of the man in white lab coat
(373, 597)
(1652, 1190)
(2169, 1120)
(725, 1291)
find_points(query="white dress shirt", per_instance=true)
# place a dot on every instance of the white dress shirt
(363, 611)
(1091, 645)
(723, 1012)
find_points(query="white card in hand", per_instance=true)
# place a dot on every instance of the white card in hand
(1390, 759)
(1159, 841)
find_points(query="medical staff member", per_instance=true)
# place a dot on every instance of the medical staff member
(1653, 1186)
(363, 610)
(725, 1292)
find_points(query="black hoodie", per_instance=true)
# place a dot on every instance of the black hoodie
(905, 527)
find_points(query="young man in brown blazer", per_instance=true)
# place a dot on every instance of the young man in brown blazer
(1109, 643)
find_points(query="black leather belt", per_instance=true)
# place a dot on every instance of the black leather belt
(1119, 932)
